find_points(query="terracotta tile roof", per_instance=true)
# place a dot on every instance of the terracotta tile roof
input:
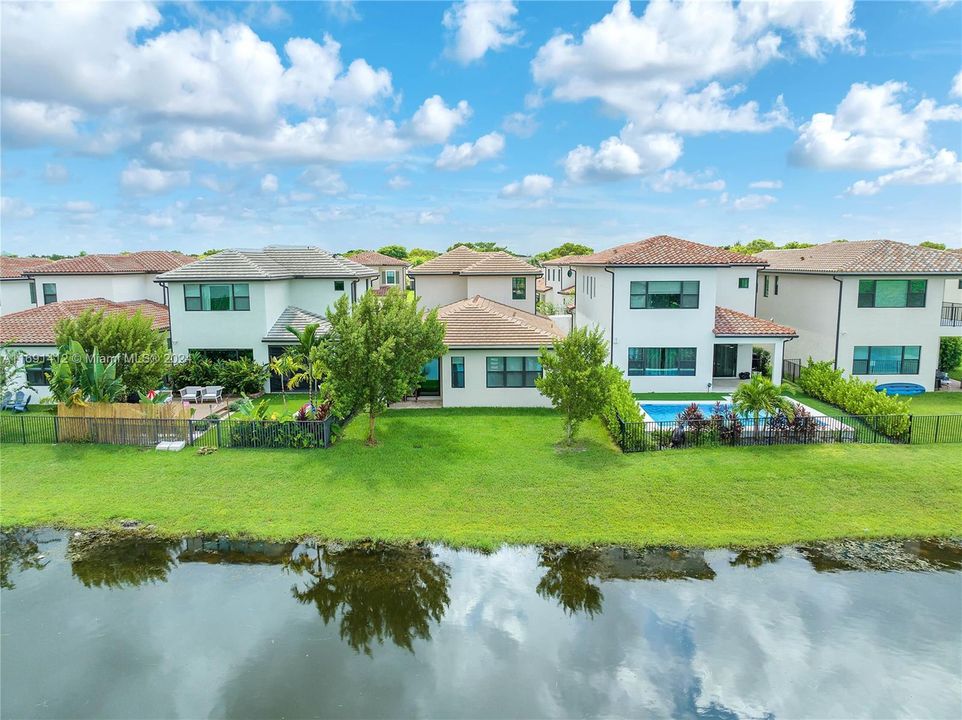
(541, 286)
(147, 261)
(479, 322)
(565, 260)
(465, 261)
(864, 257)
(668, 251)
(297, 318)
(570, 290)
(731, 322)
(12, 268)
(35, 326)
(376, 259)
(274, 262)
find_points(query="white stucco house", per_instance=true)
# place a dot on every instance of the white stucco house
(31, 331)
(875, 308)
(492, 358)
(17, 289)
(678, 315)
(559, 281)
(120, 278)
(237, 303)
(463, 273)
(392, 272)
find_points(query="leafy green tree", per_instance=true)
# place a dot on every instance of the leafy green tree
(284, 366)
(932, 245)
(950, 353)
(350, 253)
(577, 378)
(795, 245)
(141, 353)
(488, 246)
(78, 377)
(421, 255)
(394, 251)
(755, 246)
(306, 357)
(376, 350)
(564, 249)
(760, 395)
(12, 377)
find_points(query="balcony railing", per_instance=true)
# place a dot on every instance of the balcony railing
(951, 314)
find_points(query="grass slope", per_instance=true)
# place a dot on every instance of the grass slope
(483, 477)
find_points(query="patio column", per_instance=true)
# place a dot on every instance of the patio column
(777, 357)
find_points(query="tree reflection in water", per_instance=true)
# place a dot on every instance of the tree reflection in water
(755, 557)
(19, 548)
(573, 576)
(380, 591)
(104, 560)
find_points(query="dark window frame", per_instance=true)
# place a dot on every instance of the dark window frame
(868, 293)
(49, 293)
(505, 375)
(776, 284)
(33, 292)
(765, 286)
(195, 303)
(744, 283)
(338, 289)
(216, 354)
(457, 371)
(639, 295)
(858, 368)
(31, 371)
(519, 288)
(663, 352)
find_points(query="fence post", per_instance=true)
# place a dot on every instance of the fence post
(911, 423)
(217, 427)
(190, 432)
(23, 429)
(56, 429)
(938, 422)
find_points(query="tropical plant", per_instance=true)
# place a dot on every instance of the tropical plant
(12, 375)
(243, 375)
(853, 395)
(376, 350)
(77, 377)
(141, 353)
(284, 366)
(251, 410)
(760, 395)
(307, 357)
(577, 377)
(950, 353)
(621, 404)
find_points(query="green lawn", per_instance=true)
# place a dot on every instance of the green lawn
(936, 403)
(483, 477)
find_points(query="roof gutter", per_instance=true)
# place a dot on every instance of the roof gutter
(838, 321)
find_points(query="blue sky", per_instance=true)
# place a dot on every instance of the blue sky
(134, 125)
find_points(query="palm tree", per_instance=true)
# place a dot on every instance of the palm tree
(305, 354)
(283, 366)
(760, 395)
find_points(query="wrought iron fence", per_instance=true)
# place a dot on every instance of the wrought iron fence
(791, 369)
(40, 428)
(951, 314)
(728, 431)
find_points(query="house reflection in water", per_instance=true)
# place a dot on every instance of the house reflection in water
(238, 552)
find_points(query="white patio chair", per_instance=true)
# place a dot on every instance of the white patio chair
(212, 393)
(191, 393)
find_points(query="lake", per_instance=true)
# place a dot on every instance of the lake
(205, 627)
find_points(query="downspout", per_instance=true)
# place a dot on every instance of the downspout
(838, 321)
(575, 313)
(611, 345)
(354, 291)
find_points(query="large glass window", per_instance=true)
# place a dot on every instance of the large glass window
(891, 293)
(886, 360)
(519, 288)
(49, 293)
(37, 373)
(217, 297)
(663, 294)
(656, 361)
(457, 371)
(514, 371)
(33, 292)
(742, 283)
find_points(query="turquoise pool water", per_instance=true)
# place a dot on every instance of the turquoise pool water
(665, 412)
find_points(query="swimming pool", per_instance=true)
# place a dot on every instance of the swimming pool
(665, 412)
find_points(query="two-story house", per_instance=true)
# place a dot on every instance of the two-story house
(392, 272)
(17, 289)
(559, 281)
(875, 308)
(238, 303)
(463, 273)
(120, 278)
(678, 315)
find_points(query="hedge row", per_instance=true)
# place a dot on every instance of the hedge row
(858, 397)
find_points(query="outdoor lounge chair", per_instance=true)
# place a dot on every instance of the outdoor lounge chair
(212, 393)
(191, 393)
(7, 401)
(21, 401)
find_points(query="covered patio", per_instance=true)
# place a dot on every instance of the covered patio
(736, 335)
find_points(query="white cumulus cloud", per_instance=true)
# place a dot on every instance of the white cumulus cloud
(477, 26)
(956, 89)
(942, 168)
(753, 202)
(269, 183)
(765, 185)
(147, 180)
(459, 157)
(529, 186)
(15, 208)
(632, 153)
(672, 179)
(434, 121)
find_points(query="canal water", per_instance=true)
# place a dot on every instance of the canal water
(204, 627)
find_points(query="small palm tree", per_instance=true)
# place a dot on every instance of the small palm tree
(284, 366)
(760, 395)
(304, 355)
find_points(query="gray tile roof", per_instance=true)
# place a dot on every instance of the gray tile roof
(274, 262)
(297, 318)
(863, 257)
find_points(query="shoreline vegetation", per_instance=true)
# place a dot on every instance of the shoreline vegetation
(483, 478)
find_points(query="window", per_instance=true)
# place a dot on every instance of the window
(765, 290)
(519, 288)
(742, 283)
(513, 371)
(457, 371)
(960, 286)
(49, 293)
(661, 361)
(663, 294)
(219, 354)
(217, 297)
(776, 284)
(891, 293)
(339, 286)
(37, 372)
(886, 360)
(33, 292)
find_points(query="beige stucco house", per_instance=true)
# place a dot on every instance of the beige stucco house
(392, 272)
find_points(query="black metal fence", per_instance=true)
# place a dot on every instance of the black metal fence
(727, 431)
(40, 428)
(791, 369)
(951, 314)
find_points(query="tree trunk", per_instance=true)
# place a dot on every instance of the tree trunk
(370, 429)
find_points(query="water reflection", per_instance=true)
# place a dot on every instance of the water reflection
(19, 551)
(755, 557)
(884, 555)
(380, 591)
(236, 552)
(116, 561)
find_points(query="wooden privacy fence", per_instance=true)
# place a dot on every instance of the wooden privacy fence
(107, 423)
(38, 428)
(890, 429)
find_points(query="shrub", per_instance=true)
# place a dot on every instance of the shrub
(243, 376)
(950, 353)
(853, 395)
(621, 402)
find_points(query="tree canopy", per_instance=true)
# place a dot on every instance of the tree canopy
(759, 244)
(488, 246)
(394, 251)
(568, 248)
